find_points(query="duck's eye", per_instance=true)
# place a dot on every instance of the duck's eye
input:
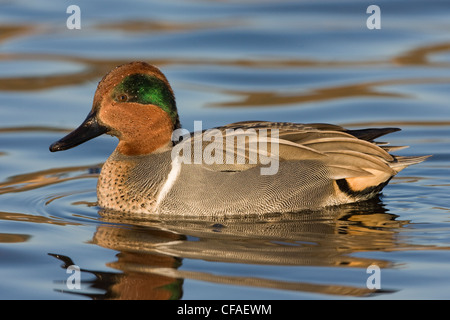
(122, 97)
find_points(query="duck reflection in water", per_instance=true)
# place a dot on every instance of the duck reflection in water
(151, 252)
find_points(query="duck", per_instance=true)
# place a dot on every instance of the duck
(242, 168)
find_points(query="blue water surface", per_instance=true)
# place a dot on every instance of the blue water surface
(227, 61)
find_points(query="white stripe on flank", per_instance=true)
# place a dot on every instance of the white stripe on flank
(171, 178)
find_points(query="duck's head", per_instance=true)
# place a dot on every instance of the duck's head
(133, 102)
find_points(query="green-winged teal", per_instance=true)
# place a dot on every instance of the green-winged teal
(313, 165)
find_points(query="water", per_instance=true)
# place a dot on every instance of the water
(300, 61)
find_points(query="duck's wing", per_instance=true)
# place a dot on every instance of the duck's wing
(346, 153)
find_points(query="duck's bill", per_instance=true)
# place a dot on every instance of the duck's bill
(89, 129)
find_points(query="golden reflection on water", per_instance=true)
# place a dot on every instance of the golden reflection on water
(15, 31)
(13, 238)
(24, 217)
(34, 180)
(137, 26)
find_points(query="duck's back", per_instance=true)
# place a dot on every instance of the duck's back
(319, 165)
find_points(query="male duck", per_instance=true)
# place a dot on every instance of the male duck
(318, 164)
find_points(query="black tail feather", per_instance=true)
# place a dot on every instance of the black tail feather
(371, 133)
